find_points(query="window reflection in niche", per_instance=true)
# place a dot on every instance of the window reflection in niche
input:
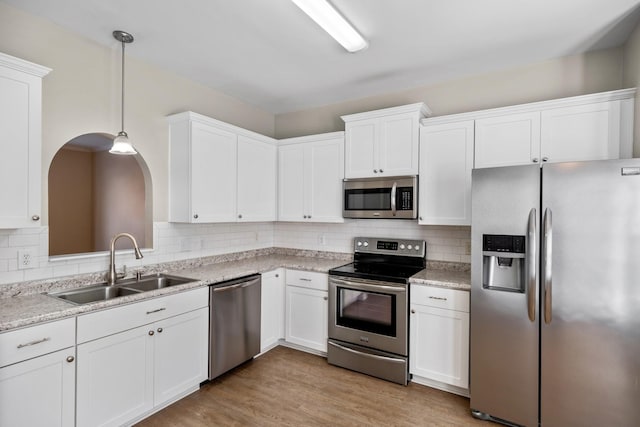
(94, 195)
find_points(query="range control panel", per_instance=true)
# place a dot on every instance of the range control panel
(404, 247)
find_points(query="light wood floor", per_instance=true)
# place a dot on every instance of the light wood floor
(286, 387)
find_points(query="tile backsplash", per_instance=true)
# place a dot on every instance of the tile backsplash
(174, 242)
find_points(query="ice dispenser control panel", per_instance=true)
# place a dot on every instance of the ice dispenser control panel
(503, 262)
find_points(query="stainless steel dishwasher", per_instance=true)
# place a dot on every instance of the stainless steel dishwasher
(234, 323)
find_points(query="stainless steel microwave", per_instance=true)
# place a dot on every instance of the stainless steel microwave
(392, 197)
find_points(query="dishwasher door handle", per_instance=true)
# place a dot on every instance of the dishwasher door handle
(232, 287)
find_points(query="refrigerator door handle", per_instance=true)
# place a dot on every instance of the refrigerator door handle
(547, 250)
(531, 265)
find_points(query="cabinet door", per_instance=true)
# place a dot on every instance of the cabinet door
(39, 391)
(256, 180)
(180, 354)
(306, 322)
(325, 171)
(213, 174)
(291, 185)
(115, 378)
(439, 345)
(507, 140)
(361, 148)
(20, 163)
(446, 161)
(272, 309)
(584, 132)
(398, 145)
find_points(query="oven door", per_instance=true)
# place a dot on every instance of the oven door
(369, 313)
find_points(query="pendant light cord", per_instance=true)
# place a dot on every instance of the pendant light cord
(122, 94)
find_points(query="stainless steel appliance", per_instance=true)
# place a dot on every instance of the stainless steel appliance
(393, 197)
(234, 323)
(368, 307)
(555, 297)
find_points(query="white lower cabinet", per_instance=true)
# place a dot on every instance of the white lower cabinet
(272, 309)
(39, 391)
(127, 375)
(37, 375)
(307, 309)
(439, 338)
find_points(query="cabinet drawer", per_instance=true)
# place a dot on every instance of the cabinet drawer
(431, 296)
(23, 344)
(308, 279)
(111, 321)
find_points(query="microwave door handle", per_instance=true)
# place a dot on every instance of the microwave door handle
(393, 198)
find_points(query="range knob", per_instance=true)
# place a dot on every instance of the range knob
(417, 247)
(402, 246)
(366, 243)
(359, 243)
(409, 247)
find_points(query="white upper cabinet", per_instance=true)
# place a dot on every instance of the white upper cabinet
(219, 172)
(21, 142)
(589, 127)
(383, 142)
(446, 161)
(310, 173)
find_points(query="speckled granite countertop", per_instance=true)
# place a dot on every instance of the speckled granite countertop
(24, 305)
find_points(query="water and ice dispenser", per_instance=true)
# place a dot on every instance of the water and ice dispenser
(503, 262)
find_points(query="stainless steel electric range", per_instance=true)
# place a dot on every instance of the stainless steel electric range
(369, 304)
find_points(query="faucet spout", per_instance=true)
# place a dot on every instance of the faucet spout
(111, 275)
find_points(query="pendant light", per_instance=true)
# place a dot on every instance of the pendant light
(121, 144)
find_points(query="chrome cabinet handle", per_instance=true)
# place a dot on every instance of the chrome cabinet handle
(36, 217)
(535, 160)
(393, 198)
(151, 333)
(157, 310)
(547, 251)
(70, 359)
(438, 298)
(530, 260)
(30, 343)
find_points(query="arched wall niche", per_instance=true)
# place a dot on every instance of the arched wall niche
(94, 195)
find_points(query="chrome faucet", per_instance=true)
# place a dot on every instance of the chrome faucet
(112, 275)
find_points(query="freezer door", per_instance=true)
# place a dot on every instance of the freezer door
(590, 344)
(504, 318)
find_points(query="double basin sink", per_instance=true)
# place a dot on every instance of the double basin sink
(104, 292)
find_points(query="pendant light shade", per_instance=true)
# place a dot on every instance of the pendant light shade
(121, 144)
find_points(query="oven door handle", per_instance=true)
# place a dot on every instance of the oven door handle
(368, 287)
(371, 356)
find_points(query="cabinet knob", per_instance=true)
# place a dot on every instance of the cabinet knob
(413, 311)
(159, 330)
(239, 215)
(545, 159)
(420, 218)
(304, 216)
(195, 216)
(375, 171)
(381, 171)
(151, 332)
(309, 216)
(36, 217)
(70, 359)
(277, 275)
(534, 160)
(325, 298)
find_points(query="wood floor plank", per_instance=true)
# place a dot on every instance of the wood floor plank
(286, 387)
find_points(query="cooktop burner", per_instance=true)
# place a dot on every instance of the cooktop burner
(384, 259)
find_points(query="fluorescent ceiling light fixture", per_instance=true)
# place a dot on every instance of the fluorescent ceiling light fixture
(333, 23)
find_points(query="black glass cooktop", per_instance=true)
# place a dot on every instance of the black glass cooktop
(383, 271)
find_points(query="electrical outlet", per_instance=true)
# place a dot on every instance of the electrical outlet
(25, 259)
(322, 239)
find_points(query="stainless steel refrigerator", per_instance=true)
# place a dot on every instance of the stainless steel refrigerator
(555, 294)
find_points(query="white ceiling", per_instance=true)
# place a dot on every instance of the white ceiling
(269, 54)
